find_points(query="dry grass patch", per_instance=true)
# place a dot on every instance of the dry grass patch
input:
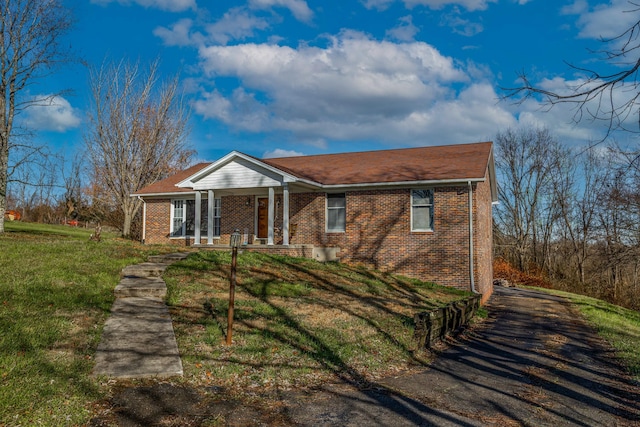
(297, 323)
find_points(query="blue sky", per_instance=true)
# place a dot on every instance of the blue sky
(283, 77)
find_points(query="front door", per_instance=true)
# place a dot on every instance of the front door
(263, 218)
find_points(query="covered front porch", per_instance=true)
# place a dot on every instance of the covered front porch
(256, 201)
(259, 215)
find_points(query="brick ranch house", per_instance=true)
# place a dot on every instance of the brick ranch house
(420, 212)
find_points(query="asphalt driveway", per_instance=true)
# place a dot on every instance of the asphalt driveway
(535, 363)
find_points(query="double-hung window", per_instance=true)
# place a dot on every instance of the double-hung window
(336, 213)
(217, 210)
(183, 218)
(178, 218)
(421, 210)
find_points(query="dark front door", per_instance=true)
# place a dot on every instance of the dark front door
(263, 218)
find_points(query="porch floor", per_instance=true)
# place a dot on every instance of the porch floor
(304, 251)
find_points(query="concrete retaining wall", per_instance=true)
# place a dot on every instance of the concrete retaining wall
(434, 325)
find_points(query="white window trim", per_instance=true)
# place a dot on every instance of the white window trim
(172, 217)
(326, 213)
(431, 211)
(217, 206)
(182, 234)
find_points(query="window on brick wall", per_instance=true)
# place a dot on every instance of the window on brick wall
(183, 218)
(336, 213)
(421, 210)
(177, 218)
(217, 213)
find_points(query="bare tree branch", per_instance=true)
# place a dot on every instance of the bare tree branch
(612, 98)
(137, 132)
(30, 32)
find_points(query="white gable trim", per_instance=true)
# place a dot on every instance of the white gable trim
(260, 173)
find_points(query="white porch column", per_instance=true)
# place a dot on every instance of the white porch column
(285, 214)
(210, 205)
(196, 235)
(271, 216)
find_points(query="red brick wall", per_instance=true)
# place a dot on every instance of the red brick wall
(483, 239)
(384, 241)
(157, 221)
(236, 213)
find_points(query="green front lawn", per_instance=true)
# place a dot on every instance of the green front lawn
(56, 290)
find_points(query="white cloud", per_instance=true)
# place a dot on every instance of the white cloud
(439, 4)
(377, 4)
(279, 152)
(460, 25)
(298, 8)
(169, 5)
(567, 121)
(405, 31)
(604, 20)
(55, 115)
(178, 35)
(240, 110)
(355, 88)
(236, 24)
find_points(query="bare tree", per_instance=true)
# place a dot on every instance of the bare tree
(525, 160)
(580, 193)
(72, 199)
(612, 97)
(136, 134)
(30, 32)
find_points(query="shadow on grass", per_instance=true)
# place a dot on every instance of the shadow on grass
(504, 373)
(268, 280)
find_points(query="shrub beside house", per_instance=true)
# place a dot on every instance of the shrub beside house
(422, 212)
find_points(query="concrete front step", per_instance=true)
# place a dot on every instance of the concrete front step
(146, 269)
(132, 286)
(144, 280)
(168, 258)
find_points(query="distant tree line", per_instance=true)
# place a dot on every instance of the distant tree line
(570, 215)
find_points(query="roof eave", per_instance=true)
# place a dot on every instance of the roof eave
(174, 193)
(428, 182)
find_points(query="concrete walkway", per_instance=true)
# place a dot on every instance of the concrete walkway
(138, 339)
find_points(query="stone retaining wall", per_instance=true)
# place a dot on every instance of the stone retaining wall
(431, 326)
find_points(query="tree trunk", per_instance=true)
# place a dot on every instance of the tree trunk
(130, 208)
(126, 224)
(4, 160)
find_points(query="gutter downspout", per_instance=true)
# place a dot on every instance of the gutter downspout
(144, 219)
(471, 269)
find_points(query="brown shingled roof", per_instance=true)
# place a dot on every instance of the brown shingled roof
(447, 162)
(168, 185)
